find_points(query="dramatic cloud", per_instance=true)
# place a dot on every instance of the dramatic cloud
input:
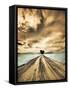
(41, 29)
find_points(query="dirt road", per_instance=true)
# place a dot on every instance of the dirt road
(41, 68)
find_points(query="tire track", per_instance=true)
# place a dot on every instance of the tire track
(41, 70)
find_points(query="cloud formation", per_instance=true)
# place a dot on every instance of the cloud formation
(41, 29)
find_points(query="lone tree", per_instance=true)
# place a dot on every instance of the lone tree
(42, 51)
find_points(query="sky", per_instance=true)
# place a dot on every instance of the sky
(40, 29)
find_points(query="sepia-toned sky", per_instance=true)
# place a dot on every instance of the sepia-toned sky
(41, 29)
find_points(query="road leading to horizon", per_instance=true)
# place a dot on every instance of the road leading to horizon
(41, 68)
